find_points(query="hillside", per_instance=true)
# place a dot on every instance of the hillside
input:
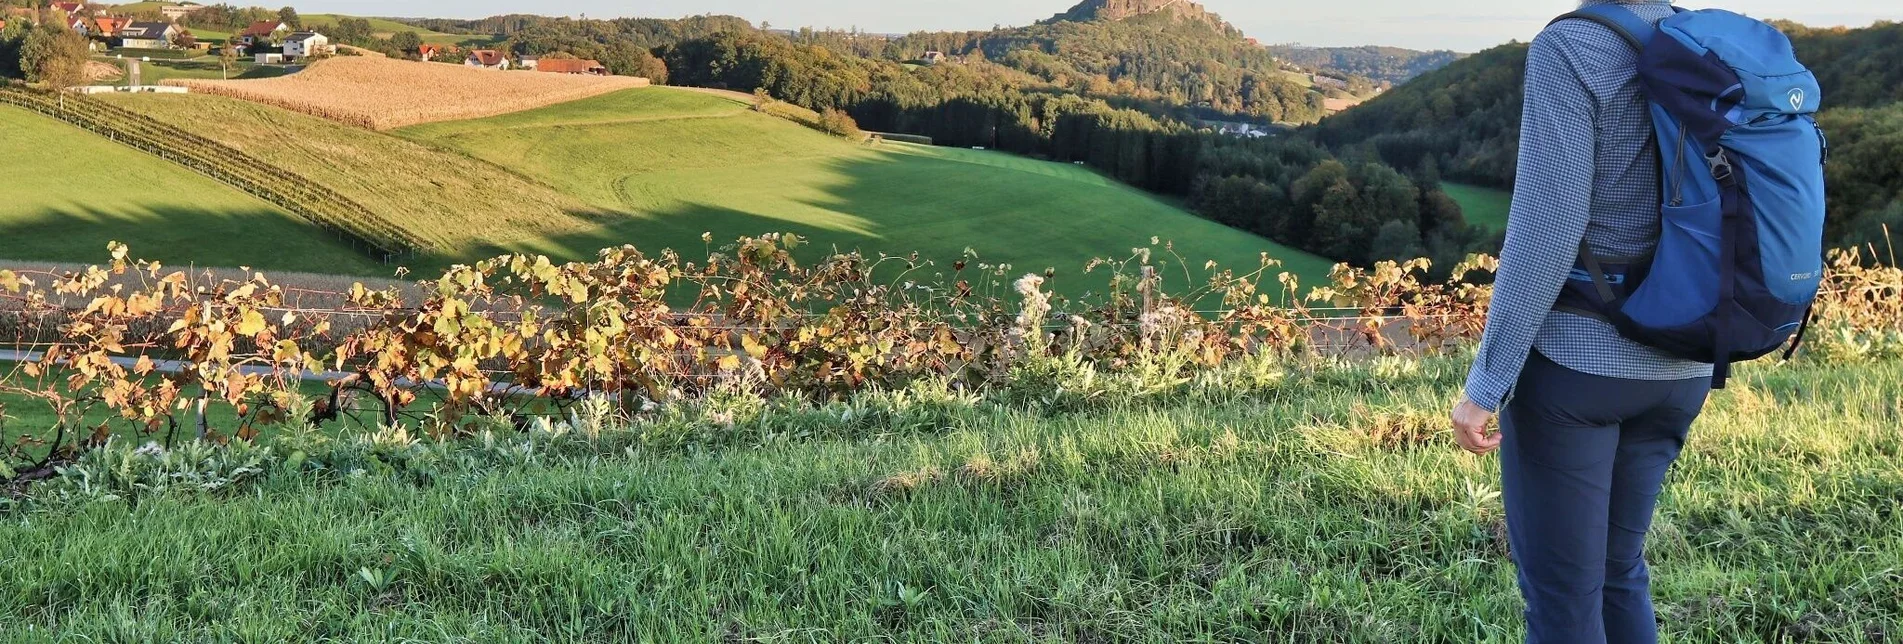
(1170, 52)
(451, 201)
(679, 164)
(1388, 64)
(1112, 10)
(67, 206)
(1465, 118)
(382, 93)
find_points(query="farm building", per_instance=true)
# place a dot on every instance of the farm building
(529, 62)
(147, 35)
(176, 11)
(271, 58)
(487, 59)
(263, 31)
(305, 44)
(572, 66)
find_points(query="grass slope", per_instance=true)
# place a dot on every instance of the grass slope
(681, 163)
(1328, 508)
(1481, 206)
(447, 197)
(68, 205)
(384, 27)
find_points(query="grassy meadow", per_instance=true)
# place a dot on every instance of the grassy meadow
(67, 206)
(676, 163)
(1481, 206)
(385, 28)
(1312, 504)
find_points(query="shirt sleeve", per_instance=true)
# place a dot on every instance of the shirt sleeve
(1552, 205)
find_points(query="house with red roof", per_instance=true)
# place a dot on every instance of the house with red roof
(487, 59)
(263, 31)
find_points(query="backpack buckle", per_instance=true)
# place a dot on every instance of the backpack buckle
(1720, 165)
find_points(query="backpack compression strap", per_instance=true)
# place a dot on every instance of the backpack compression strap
(1635, 30)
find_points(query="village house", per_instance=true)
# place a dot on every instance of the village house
(572, 66)
(263, 31)
(73, 9)
(106, 28)
(432, 52)
(487, 59)
(934, 57)
(147, 35)
(306, 44)
(79, 25)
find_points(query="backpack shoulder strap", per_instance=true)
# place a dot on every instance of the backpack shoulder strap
(1635, 30)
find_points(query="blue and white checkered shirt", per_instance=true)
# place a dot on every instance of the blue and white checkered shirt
(1588, 169)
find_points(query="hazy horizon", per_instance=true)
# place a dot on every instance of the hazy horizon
(1462, 25)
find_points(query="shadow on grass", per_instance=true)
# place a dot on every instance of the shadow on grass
(1033, 218)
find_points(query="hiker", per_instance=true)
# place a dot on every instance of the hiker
(1595, 371)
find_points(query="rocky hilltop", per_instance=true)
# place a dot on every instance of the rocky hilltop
(1091, 10)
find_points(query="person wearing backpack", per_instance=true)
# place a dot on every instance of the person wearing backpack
(1667, 221)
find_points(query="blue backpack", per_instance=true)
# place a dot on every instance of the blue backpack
(1741, 251)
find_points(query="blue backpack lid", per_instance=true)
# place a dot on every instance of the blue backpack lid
(1769, 74)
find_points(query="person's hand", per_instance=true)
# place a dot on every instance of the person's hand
(1472, 428)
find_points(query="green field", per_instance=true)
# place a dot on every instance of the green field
(1327, 506)
(205, 67)
(1482, 206)
(679, 163)
(385, 27)
(66, 206)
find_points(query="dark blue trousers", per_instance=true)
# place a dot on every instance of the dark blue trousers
(1582, 459)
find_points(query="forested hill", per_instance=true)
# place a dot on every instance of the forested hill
(1093, 10)
(1462, 121)
(1171, 51)
(1388, 64)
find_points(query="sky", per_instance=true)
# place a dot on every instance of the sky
(1462, 25)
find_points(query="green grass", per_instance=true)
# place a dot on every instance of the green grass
(203, 67)
(678, 163)
(1326, 508)
(24, 416)
(66, 206)
(1482, 206)
(384, 27)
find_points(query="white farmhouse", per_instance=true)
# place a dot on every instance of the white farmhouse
(305, 44)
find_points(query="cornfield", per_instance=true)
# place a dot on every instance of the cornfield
(382, 94)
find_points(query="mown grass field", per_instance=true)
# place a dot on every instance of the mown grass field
(1314, 506)
(66, 206)
(446, 197)
(679, 163)
(1481, 206)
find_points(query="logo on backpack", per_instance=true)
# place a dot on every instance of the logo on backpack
(1797, 99)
